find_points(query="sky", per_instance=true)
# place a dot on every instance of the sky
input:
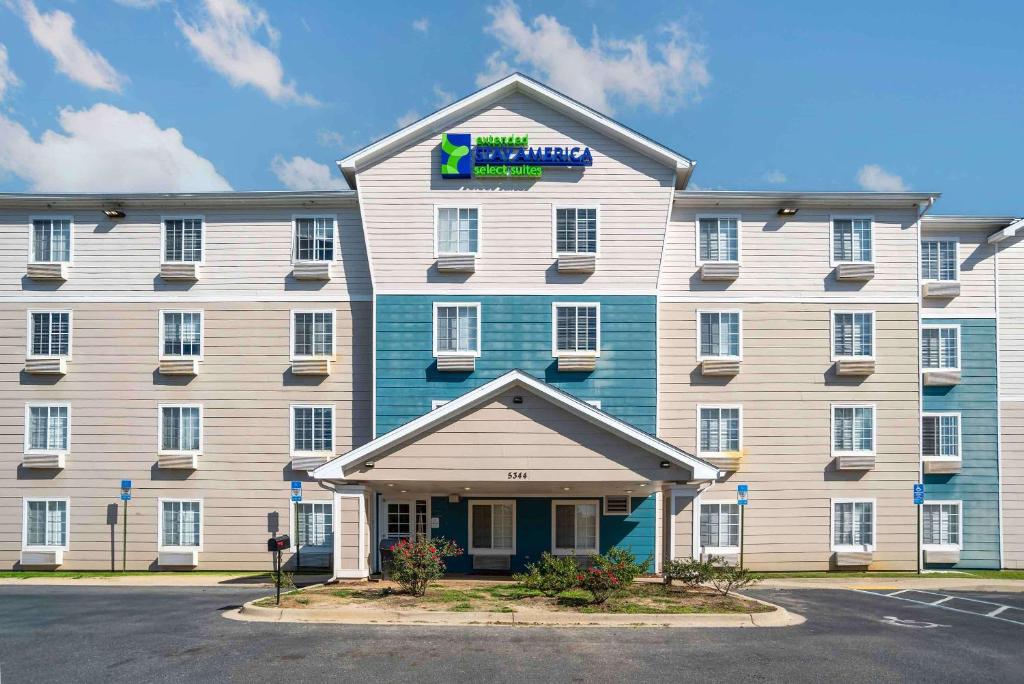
(204, 95)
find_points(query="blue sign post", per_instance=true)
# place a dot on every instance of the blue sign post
(126, 496)
(296, 491)
(918, 494)
(919, 501)
(296, 499)
(741, 500)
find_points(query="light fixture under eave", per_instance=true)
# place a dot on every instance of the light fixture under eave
(787, 211)
(113, 213)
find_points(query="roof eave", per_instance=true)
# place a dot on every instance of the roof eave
(740, 198)
(1008, 232)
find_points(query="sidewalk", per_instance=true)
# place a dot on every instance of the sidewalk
(933, 581)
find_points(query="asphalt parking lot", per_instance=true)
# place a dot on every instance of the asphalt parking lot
(108, 634)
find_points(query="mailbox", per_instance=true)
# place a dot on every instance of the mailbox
(279, 543)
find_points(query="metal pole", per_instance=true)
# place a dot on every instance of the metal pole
(298, 547)
(277, 574)
(743, 510)
(124, 540)
(918, 539)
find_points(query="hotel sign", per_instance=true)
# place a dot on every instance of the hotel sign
(505, 156)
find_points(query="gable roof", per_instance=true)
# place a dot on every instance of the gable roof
(516, 83)
(335, 469)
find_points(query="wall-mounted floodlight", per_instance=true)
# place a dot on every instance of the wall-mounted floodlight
(113, 213)
(787, 211)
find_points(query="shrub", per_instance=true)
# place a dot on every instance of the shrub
(284, 580)
(726, 578)
(599, 582)
(622, 564)
(415, 564)
(551, 574)
(692, 572)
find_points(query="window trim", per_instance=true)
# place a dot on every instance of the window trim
(959, 437)
(28, 334)
(163, 237)
(291, 334)
(604, 505)
(161, 330)
(293, 522)
(479, 329)
(718, 550)
(832, 237)
(555, 353)
(24, 523)
(437, 229)
(160, 523)
(32, 238)
(335, 243)
(160, 429)
(920, 256)
(832, 428)
(702, 357)
(554, 531)
(28, 421)
(739, 238)
(705, 454)
(959, 348)
(474, 551)
(960, 526)
(555, 206)
(291, 429)
(842, 548)
(832, 335)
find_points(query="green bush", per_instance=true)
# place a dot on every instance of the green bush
(551, 574)
(415, 564)
(692, 572)
(622, 564)
(601, 583)
(284, 580)
(727, 578)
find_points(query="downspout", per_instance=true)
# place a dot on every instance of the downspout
(918, 512)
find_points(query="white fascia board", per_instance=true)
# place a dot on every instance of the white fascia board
(1007, 232)
(707, 199)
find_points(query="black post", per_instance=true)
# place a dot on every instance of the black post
(277, 574)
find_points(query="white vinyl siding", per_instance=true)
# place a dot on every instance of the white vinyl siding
(314, 238)
(575, 527)
(719, 527)
(312, 428)
(47, 429)
(457, 329)
(50, 333)
(853, 525)
(180, 524)
(576, 329)
(183, 240)
(51, 240)
(853, 429)
(180, 429)
(458, 230)
(940, 524)
(46, 523)
(492, 527)
(719, 430)
(315, 525)
(851, 240)
(720, 334)
(576, 231)
(718, 239)
(182, 334)
(940, 348)
(940, 436)
(940, 260)
(853, 334)
(312, 334)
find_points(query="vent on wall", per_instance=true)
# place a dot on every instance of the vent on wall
(616, 505)
(491, 562)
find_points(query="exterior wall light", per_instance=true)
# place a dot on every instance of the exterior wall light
(113, 213)
(787, 211)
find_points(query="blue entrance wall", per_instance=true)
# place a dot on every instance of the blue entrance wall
(516, 333)
(634, 532)
(977, 484)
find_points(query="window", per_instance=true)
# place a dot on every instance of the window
(180, 524)
(719, 526)
(574, 527)
(315, 525)
(183, 240)
(492, 527)
(939, 260)
(399, 520)
(576, 231)
(50, 240)
(314, 238)
(457, 329)
(46, 523)
(312, 334)
(851, 240)
(181, 429)
(312, 428)
(718, 239)
(853, 429)
(940, 347)
(940, 435)
(719, 429)
(182, 333)
(941, 522)
(457, 230)
(577, 329)
(853, 334)
(49, 333)
(719, 334)
(47, 428)
(853, 525)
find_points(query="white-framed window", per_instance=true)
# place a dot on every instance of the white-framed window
(181, 428)
(941, 525)
(719, 429)
(313, 334)
(574, 527)
(853, 429)
(51, 239)
(47, 428)
(181, 334)
(312, 428)
(576, 230)
(576, 328)
(181, 523)
(314, 238)
(852, 240)
(721, 335)
(492, 527)
(45, 525)
(457, 230)
(719, 527)
(940, 259)
(940, 347)
(49, 334)
(940, 436)
(853, 525)
(182, 239)
(853, 335)
(314, 524)
(718, 239)
(456, 328)
(618, 504)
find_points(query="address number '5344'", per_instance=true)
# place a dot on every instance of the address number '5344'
(517, 475)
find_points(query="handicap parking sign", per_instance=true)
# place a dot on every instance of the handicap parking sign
(918, 494)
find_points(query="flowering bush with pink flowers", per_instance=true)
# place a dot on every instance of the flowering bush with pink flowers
(416, 563)
(599, 582)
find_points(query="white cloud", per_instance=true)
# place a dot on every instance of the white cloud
(409, 117)
(606, 70)
(442, 98)
(55, 33)
(331, 138)
(302, 173)
(874, 178)
(227, 39)
(105, 149)
(775, 177)
(421, 25)
(8, 79)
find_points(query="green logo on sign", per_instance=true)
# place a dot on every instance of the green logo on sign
(455, 160)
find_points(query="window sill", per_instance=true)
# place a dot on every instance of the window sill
(53, 460)
(940, 289)
(179, 271)
(47, 270)
(941, 466)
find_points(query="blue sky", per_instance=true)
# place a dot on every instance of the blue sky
(127, 95)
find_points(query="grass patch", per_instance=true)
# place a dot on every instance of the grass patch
(574, 598)
(463, 607)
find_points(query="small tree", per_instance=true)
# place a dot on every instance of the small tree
(415, 564)
(727, 578)
(692, 572)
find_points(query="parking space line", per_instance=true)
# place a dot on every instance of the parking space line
(992, 615)
(997, 611)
